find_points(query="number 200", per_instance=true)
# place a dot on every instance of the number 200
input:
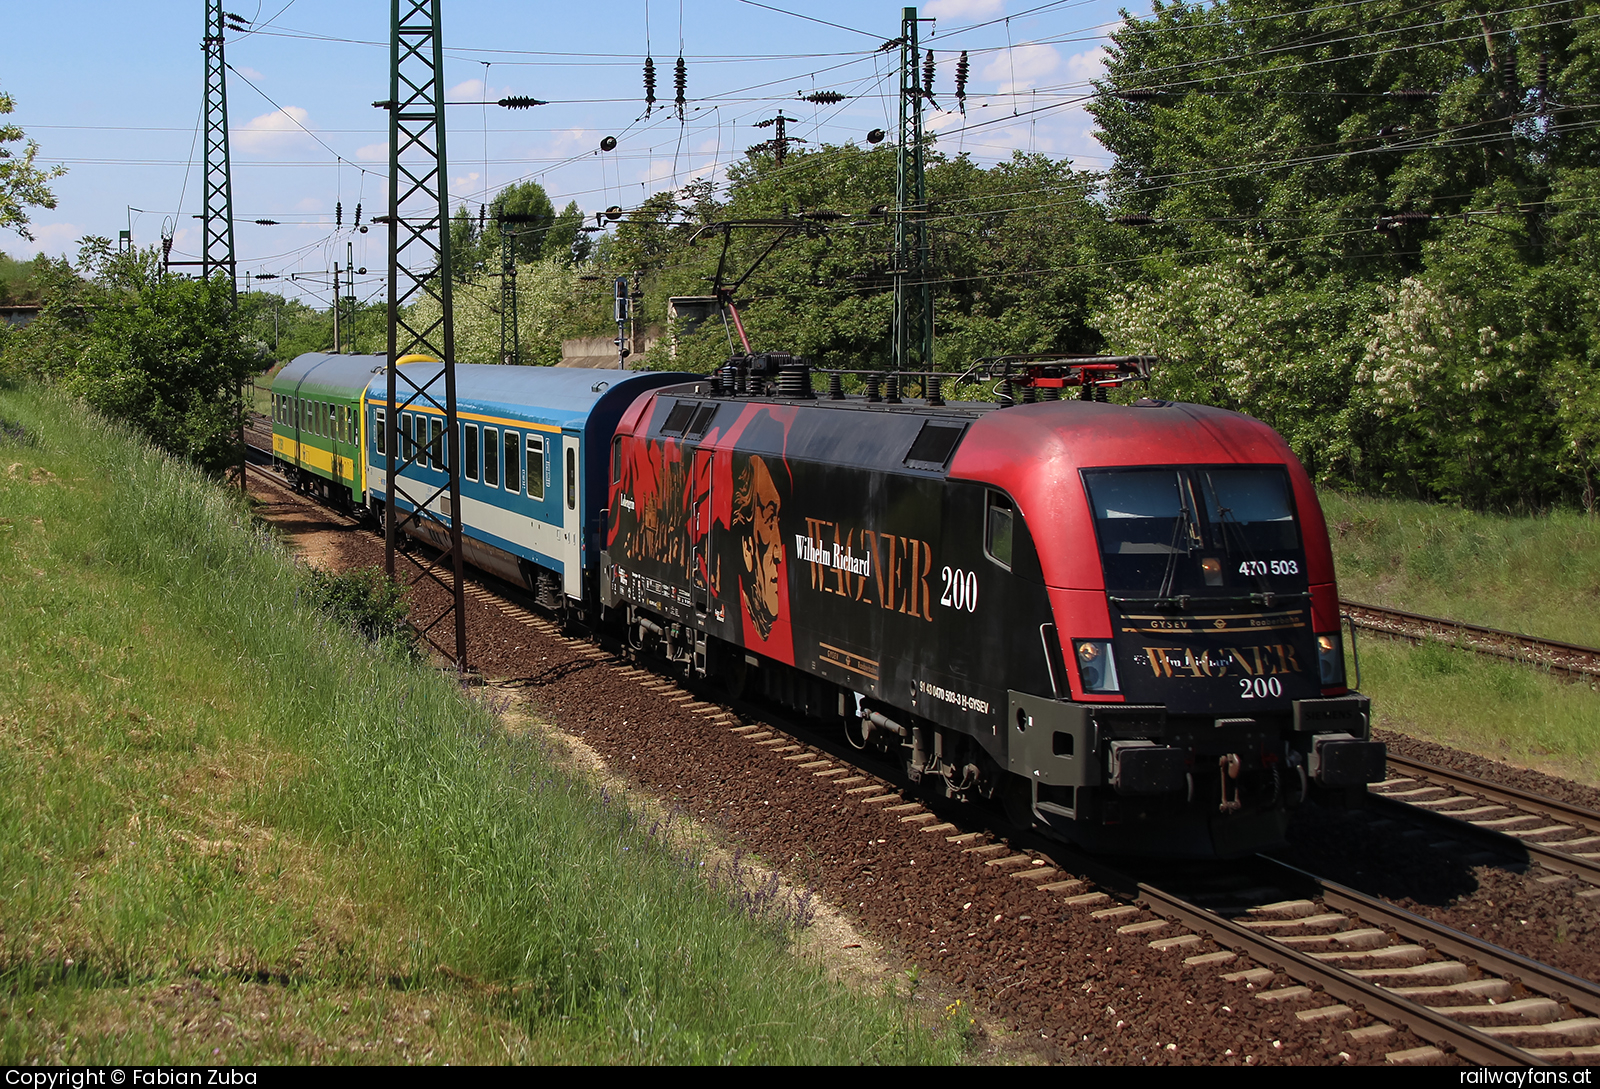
(960, 590)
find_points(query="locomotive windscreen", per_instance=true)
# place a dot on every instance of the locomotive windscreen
(1195, 531)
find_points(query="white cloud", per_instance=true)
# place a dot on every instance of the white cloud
(569, 140)
(957, 9)
(309, 204)
(1019, 68)
(465, 184)
(1090, 64)
(248, 73)
(374, 153)
(55, 239)
(475, 90)
(272, 131)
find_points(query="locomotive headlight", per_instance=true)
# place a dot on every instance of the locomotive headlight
(1330, 659)
(1096, 669)
(1211, 568)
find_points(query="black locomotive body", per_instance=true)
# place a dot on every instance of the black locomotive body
(1122, 620)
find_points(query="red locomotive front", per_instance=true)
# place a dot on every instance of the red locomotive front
(1120, 619)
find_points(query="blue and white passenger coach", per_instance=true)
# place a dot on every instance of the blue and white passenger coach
(535, 445)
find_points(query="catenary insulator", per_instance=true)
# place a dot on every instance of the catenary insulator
(338, 213)
(962, 68)
(680, 84)
(825, 98)
(520, 102)
(927, 73)
(649, 84)
(358, 214)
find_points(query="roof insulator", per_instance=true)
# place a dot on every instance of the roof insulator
(520, 102)
(1135, 219)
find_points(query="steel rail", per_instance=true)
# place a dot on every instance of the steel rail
(1397, 1010)
(1510, 846)
(1566, 658)
(1522, 799)
(1467, 948)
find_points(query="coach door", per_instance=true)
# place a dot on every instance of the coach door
(570, 483)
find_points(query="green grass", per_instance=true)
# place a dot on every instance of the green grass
(231, 830)
(1499, 709)
(1537, 575)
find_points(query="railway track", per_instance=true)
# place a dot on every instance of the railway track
(1511, 822)
(1349, 952)
(1563, 659)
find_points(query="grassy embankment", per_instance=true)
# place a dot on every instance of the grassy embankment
(232, 832)
(1538, 575)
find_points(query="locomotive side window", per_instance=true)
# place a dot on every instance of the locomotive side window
(535, 467)
(470, 442)
(513, 463)
(491, 457)
(616, 460)
(997, 530)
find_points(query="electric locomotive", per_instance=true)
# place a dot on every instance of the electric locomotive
(1121, 620)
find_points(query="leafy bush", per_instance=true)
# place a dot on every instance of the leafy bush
(367, 601)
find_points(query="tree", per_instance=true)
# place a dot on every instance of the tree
(22, 185)
(165, 353)
(523, 199)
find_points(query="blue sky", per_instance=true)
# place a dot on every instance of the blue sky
(113, 92)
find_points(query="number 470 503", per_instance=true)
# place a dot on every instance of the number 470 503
(1270, 567)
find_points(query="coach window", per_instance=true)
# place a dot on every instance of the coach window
(997, 530)
(513, 464)
(380, 434)
(491, 457)
(405, 436)
(572, 478)
(439, 456)
(470, 434)
(535, 467)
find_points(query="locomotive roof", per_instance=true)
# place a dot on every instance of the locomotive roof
(323, 373)
(562, 397)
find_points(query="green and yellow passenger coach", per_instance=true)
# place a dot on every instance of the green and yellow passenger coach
(317, 427)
